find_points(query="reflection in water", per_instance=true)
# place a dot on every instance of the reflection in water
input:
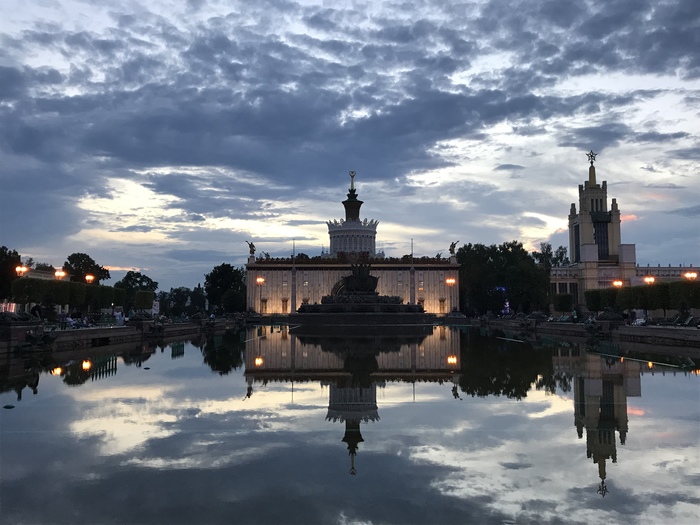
(601, 388)
(352, 366)
(480, 375)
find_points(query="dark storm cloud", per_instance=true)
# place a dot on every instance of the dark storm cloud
(529, 131)
(686, 153)
(134, 228)
(654, 136)
(666, 186)
(243, 129)
(378, 90)
(691, 211)
(595, 137)
(516, 466)
(509, 167)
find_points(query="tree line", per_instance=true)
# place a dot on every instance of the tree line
(224, 287)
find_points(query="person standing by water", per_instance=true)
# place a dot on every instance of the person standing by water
(36, 311)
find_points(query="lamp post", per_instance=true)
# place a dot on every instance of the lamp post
(649, 279)
(89, 278)
(60, 274)
(21, 270)
(260, 281)
(617, 284)
(691, 276)
(450, 281)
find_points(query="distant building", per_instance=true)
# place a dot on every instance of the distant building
(280, 286)
(598, 257)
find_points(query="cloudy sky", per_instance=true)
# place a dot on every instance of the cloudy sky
(160, 136)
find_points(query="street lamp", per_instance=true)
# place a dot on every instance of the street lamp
(89, 278)
(60, 274)
(649, 279)
(260, 281)
(21, 270)
(617, 284)
(691, 276)
(450, 281)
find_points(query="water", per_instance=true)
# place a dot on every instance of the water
(269, 427)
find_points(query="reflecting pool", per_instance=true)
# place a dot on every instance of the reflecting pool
(419, 425)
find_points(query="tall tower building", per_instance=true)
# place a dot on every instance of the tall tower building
(594, 232)
(597, 256)
(352, 235)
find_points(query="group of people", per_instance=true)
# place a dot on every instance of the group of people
(75, 322)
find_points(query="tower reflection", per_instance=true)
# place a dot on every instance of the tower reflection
(601, 388)
(353, 365)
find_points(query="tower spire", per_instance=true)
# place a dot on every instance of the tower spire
(591, 171)
(352, 204)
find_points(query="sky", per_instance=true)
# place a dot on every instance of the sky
(161, 136)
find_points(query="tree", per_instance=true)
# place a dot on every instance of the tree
(549, 259)
(233, 301)
(198, 299)
(134, 282)
(44, 267)
(9, 260)
(143, 299)
(78, 265)
(137, 281)
(563, 302)
(594, 300)
(625, 299)
(28, 290)
(222, 279)
(491, 274)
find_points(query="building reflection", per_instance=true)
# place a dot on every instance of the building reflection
(601, 387)
(353, 366)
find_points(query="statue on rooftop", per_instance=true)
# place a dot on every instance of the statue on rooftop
(252, 247)
(452, 247)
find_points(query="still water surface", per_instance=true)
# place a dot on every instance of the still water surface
(266, 426)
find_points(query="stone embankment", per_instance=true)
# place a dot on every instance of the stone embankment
(665, 339)
(33, 336)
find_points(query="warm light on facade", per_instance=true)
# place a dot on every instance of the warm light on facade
(260, 280)
(690, 275)
(89, 278)
(451, 359)
(450, 281)
(87, 365)
(21, 270)
(60, 274)
(649, 279)
(617, 284)
(259, 361)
